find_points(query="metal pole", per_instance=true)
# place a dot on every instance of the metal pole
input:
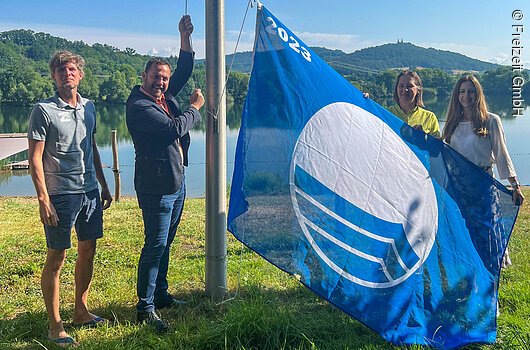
(115, 165)
(215, 151)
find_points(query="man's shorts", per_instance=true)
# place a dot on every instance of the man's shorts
(83, 211)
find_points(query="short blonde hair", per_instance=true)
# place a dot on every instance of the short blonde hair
(62, 57)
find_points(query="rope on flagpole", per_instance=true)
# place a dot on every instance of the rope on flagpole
(186, 14)
(214, 115)
(251, 3)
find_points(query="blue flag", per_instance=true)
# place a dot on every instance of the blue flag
(389, 224)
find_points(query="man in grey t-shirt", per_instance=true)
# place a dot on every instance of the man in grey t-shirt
(65, 167)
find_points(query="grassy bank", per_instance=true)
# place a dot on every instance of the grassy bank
(268, 309)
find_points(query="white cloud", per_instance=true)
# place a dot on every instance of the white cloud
(501, 59)
(483, 53)
(166, 45)
(246, 41)
(344, 42)
(152, 52)
(143, 43)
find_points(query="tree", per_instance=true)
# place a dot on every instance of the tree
(8, 54)
(196, 81)
(22, 95)
(39, 51)
(22, 85)
(19, 37)
(499, 81)
(237, 87)
(376, 90)
(387, 79)
(130, 51)
(89, 86)
(437, 79)
(114, 89)
(132, 77)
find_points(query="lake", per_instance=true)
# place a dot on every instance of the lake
(18, 183)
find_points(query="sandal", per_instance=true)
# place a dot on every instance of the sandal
(63, 342)
(95, 322)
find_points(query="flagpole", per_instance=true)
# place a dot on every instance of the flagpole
(215, 151)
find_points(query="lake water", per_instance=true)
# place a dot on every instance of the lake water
(18, 183)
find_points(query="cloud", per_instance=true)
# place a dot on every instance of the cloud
(503, 59)
(344, 42)
(167, 45)
(245, 43)
(143, 43)
(483, 53)
(152, 52)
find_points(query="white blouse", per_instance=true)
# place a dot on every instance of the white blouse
(484, 151)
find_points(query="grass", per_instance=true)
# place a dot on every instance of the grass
(266, 309)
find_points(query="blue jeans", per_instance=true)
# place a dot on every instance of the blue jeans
(161, 215)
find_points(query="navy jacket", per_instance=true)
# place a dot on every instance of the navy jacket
(159, 167)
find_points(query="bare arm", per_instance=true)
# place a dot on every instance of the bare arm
(48, 216)
(106, 197)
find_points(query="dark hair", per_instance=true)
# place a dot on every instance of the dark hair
(419, 95)
(157, 61)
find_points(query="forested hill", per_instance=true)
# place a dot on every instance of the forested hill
(383, 57)
(37, 48)
(110, 72)
(401, 54)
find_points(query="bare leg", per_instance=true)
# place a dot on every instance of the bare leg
(50, 290)
(84, 268)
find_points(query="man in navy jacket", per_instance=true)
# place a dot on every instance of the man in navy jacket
(159, 131)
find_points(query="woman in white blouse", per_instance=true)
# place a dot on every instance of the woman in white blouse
(478, 134)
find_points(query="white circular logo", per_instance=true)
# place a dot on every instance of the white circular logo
(363, 199)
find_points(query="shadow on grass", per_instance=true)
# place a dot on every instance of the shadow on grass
(21, 331)
(256, 318)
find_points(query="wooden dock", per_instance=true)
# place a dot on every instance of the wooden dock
(22, 165)
(11, 144)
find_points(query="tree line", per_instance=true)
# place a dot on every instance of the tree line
(110, 73)
(436, 82)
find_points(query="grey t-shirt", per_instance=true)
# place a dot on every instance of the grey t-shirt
(68, 159)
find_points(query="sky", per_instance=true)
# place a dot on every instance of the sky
(478, 29)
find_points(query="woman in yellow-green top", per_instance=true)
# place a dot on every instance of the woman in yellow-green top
(408, 95)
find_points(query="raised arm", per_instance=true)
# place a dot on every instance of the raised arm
(185, 62)
(185, 29)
